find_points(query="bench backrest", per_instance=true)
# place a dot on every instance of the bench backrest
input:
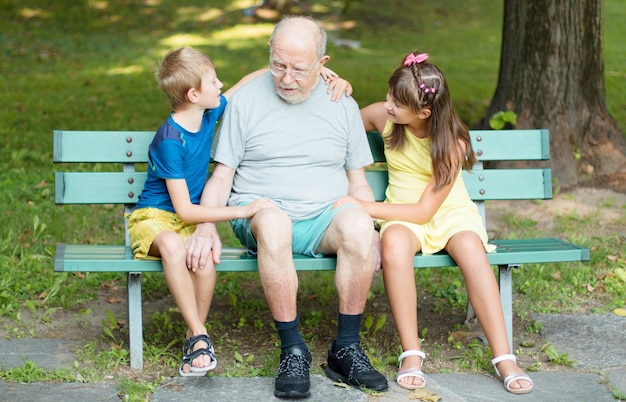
(131, 148)
(100, 185)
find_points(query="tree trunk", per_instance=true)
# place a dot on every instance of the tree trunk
(552, 76)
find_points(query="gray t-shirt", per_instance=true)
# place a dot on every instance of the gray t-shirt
(294, 154)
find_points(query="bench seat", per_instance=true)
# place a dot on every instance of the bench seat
(112, 258)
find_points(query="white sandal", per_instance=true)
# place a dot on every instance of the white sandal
(411, 372)
(513, 376)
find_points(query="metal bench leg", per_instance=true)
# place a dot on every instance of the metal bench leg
(470, 315)
(506, 298)
(135, 320)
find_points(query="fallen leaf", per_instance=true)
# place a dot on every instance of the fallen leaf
(41, 184)
(590, 288)
(620, 312)
(109, 286)
(423, 394)
(621, 274)
(556, 276)
(611, 258)
(113, 300)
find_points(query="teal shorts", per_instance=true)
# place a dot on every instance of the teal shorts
(307, 235)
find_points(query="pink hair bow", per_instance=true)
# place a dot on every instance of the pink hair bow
(415, 59)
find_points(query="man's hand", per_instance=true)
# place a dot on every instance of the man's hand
(203, 242)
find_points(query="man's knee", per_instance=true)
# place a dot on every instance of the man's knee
(271, 227)
(350, 234)
(354, 225)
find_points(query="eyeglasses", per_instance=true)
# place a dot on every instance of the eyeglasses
(297, 75)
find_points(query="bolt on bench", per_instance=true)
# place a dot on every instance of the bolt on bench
(130, 148)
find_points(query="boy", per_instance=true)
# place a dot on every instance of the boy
(168, 208)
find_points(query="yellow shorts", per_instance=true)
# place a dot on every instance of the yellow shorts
(145, 224)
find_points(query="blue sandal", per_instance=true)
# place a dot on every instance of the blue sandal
(189, 355)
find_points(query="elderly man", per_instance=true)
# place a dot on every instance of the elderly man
(282, 138)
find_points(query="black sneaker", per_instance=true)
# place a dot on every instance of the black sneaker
(292, 380)
(351, 366)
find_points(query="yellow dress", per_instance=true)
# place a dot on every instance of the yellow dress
(410, 170)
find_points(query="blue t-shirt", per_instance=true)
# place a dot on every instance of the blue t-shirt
(176, 153)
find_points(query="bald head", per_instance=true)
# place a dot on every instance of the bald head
(297, 48)
(300, 32)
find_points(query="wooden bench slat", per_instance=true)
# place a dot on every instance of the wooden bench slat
(119, 258)
(376, 146)
(508, 184)
(514, 252)
(492, 145)
(111, 258)
(101, 146)
(125, 187)
(511, 145)
(114, 146)
(97, 187)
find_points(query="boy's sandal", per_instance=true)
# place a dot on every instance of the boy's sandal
(513, 376)
(188, 358)
(411, 372)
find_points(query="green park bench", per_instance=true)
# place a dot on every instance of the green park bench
(128, 150)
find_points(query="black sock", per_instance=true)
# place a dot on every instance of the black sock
(348, 330)
(289, 333)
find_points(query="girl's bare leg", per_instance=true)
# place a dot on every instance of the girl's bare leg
(467, 250)
(399, 246)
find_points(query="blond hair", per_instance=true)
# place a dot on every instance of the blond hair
(180, 70)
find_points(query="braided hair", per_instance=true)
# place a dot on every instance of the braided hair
(419, 85)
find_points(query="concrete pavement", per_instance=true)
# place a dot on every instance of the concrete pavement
(597, 343)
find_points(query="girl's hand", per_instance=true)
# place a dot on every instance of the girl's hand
(338, 86)
(347, 200)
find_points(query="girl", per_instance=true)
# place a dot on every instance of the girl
(427, 208)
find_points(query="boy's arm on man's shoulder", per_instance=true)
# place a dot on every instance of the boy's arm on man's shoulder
(245, 79)
(336, 86)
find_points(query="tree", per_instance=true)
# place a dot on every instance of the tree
(552, 75)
